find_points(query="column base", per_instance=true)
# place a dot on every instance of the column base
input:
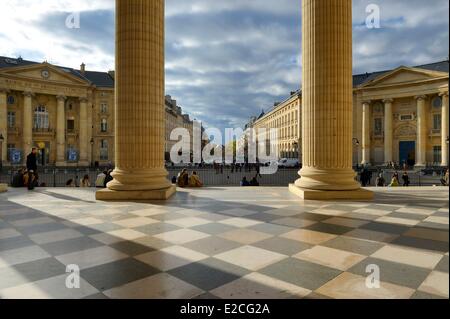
(309, 194)
(159, 194)
(3, 188)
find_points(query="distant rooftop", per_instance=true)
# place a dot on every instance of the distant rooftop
(100, 79)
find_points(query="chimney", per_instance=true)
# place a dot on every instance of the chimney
(83, 68)
(112, 74)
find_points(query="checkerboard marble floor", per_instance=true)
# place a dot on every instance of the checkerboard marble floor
(224, 243)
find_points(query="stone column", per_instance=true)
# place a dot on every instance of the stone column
(27, 125)
(327, 109)
(444, 129)
(421, 147)
(60, 130)
(139, 112)
(4, 124)
(388, 131)
(365, 133)
(83, 135)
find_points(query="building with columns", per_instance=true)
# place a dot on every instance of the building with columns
(399, 116)
(67, 114)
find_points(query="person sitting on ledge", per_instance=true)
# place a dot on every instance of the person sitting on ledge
(194, 180)
(100, 182)
(70, 183)
(85, 182)
(183, 178)
(254, 181)
(394, 182)
(245, 182)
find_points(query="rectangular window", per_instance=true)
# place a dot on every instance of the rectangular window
(104, 150)
(11, 148)
(437, 122)
(70, 125)
(11, 119)
(437, 154)
(378, 127)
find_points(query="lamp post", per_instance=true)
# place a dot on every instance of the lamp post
(92, 152)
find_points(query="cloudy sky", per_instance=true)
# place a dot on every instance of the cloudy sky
(225, 60)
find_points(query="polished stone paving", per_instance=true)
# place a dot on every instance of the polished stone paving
(224, 243)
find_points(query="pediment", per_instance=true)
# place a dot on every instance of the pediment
(404, 75)
(45, 72)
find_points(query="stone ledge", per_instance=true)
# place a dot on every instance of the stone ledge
(308, 194)
(110, 195)
(3, 188)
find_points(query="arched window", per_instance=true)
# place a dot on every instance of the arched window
(437, 102)
(104, 125)
(41, 118)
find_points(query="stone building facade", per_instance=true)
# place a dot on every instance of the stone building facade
(399, 116)
(67, 114)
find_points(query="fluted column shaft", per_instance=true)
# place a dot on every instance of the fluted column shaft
(388, 129)
(327, 96)
(139, 120)
(60, 130)
(421, 131)
(366, 134)
(4, 124)
(444, 130)
(83, 136)
(27, 126)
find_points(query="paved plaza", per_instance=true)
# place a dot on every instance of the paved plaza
(224, 243)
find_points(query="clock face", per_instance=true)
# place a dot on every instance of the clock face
(45, 74)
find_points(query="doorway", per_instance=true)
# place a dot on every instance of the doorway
(407, 151)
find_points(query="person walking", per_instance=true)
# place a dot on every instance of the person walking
(31, 167)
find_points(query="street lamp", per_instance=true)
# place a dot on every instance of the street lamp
(92, 152)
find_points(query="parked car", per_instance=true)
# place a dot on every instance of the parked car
(289, 163)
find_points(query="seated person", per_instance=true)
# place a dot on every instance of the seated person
(100, 182)
(70, 183)
(245, 182)
(194, 180)
(183, 178)
(254, 182)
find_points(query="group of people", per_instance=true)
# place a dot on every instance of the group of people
(184, 180)
(254, 182)
(395, 181)
(28, 177)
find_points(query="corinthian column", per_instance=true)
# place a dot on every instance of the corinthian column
(388, 129)
(60, 130)
(83, 136)
(140, 121)
(366, 134)
(421, 160)
(444, 129)
(327, 103)
(27, 126)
